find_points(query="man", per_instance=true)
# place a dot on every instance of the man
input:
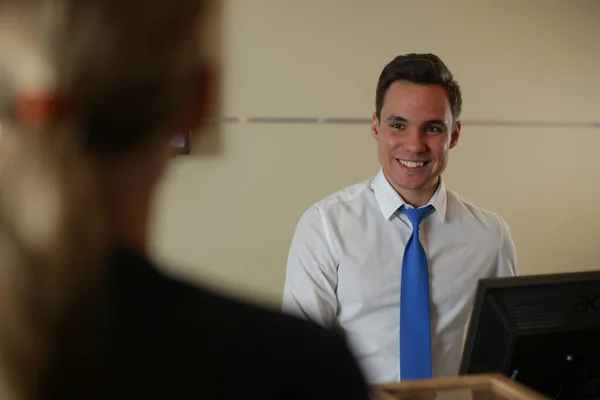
(401, 295)
(88, 113)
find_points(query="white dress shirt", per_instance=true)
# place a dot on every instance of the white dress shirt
(344, 270)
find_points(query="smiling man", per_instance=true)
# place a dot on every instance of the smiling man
(393, 262)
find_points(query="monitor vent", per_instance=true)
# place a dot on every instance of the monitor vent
(533, 310)
(490, 348)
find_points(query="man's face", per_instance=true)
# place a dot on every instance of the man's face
(414, 135)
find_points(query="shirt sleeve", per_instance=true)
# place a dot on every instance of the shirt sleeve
(311, 273)
(508, 264)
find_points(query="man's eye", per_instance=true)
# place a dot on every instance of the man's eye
(398, 126)
(432, 129)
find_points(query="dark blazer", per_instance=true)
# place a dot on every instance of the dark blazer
(159, 338)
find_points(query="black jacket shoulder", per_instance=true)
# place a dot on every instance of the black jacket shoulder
(169, 339)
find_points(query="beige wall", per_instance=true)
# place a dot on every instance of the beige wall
(227, 218)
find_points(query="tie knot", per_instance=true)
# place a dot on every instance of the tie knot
(416, 215)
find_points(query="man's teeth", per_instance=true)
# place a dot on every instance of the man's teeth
(412, 164)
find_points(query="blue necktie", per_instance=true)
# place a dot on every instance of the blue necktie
(415, 330)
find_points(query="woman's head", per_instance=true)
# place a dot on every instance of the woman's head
(125, 71)
(90, 93)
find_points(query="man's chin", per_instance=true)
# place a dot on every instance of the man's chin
(415, 186)
(414, 183)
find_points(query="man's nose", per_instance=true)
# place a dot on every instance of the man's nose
(414, 141)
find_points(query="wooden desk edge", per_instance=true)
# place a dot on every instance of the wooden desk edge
(472, 381)
(495, 382)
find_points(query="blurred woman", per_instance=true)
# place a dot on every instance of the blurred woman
(90, 92)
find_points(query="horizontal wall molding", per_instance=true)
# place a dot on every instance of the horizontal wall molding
(364, 121)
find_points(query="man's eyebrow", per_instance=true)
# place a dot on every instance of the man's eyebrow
(396, 118)
(436, 122)
(400, 118)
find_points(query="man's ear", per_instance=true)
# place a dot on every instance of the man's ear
(455, 135)
(375, 127)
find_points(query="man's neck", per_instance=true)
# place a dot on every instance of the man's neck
(417, 198)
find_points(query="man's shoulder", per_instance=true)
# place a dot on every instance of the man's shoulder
(338, 207)
(345, 195)
(351, 197)
(459, 204)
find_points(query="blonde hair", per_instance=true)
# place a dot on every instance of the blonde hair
(121, 71)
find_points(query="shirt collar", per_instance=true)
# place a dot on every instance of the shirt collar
(390, 201)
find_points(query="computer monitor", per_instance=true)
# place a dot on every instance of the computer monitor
(543, 331)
